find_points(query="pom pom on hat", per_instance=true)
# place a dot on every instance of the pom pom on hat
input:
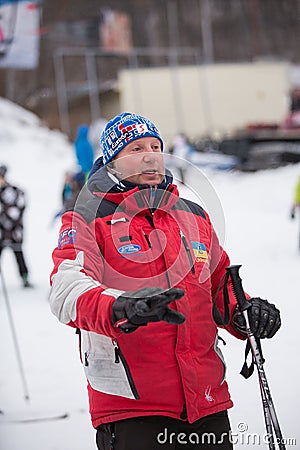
(122, 129)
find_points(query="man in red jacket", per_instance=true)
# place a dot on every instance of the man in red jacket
(136, 271)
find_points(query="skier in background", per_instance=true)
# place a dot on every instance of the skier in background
(73, 183)
(182, 149)
(136, 271)
(67, 189)
(77, 181)
(12, 207)
(296, 205)
(84, 150)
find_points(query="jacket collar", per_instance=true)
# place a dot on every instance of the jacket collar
(132, 197)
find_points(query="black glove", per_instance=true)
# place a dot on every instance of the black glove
(138, 308)
(264, 318)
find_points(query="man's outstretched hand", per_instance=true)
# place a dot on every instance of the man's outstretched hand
(134, 309)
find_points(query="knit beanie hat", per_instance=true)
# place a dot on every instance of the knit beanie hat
(122, 129)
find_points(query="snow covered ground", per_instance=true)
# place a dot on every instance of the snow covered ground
(250, 211)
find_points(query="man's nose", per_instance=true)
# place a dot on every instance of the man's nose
(149, 154)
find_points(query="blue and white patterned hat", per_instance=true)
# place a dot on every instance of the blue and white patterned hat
(122, 129)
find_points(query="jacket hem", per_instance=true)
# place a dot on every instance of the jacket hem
(132, 414)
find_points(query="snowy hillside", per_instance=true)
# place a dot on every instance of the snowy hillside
(251, 214)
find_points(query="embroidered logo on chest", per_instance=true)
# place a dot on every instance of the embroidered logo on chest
(129, 249)
(200, 251)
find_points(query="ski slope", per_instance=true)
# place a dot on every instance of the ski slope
(251, 214)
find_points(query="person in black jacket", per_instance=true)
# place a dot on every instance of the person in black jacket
(12, 206)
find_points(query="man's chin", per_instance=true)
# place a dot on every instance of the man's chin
(151, 179)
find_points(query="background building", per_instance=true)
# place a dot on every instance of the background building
(90, 53)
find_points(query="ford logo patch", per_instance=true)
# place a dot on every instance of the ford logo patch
(129, 248)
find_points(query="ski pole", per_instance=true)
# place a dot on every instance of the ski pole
(15, 339)
(271, 419)
(267, 416)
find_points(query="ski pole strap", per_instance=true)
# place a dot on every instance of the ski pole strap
(247, 370)
(222, 321)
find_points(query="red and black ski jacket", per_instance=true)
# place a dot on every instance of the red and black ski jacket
(116, 242)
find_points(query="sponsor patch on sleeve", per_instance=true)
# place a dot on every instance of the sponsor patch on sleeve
(67, 236)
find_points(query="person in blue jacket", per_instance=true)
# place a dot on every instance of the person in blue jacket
(83, 149)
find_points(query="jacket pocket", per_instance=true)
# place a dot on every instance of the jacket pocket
(119, 358)
(105, 371)
(221, 357)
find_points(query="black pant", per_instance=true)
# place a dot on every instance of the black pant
(17, 249)
(164, 433)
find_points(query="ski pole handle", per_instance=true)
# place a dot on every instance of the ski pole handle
(237, 287)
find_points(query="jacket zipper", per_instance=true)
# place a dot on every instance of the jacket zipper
(188, 251)
(147, 239)
(119, 357)
(183, 414)
(150, 220)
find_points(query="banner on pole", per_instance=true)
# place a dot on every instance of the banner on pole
(115, 31)
(19, 34)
